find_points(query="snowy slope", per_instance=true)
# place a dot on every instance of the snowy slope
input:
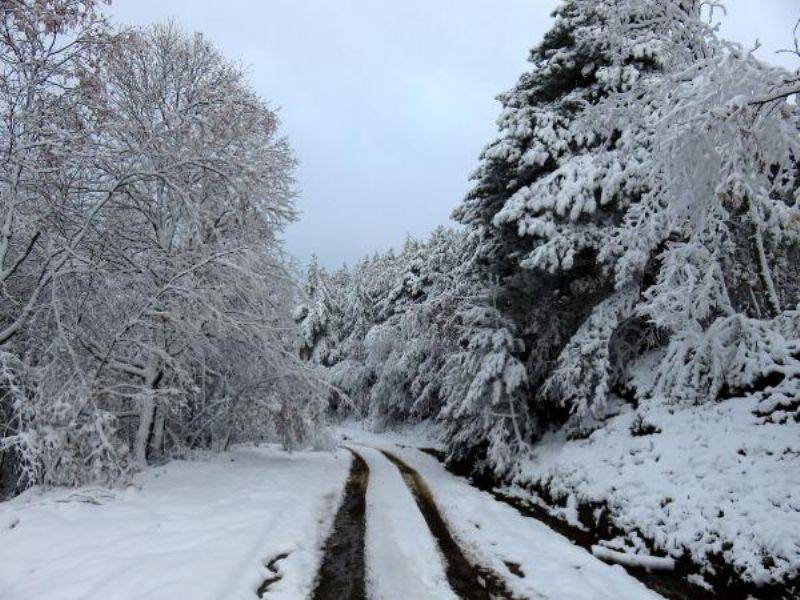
(196, 530)
(714, 480)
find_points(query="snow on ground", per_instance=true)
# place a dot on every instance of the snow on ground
(714, 480)
(188, 530)
(403, 560)
(494, 533)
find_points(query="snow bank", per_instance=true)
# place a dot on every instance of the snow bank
(199, 529)
(714, 481)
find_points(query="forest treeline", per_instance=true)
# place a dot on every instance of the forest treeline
(631, 236)
(636, 215)
(145, 299)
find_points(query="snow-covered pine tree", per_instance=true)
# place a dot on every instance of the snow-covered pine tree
(720, 215)
(549, 187)
(389, 325)
(421, 332)
(335, 317)
(485, 390)
(314, 316)
(433, 323)
(550, 193)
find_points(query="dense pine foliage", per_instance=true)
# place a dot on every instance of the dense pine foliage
(639, 206)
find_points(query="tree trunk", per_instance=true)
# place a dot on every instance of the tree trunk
(762, 265)
(147, 412)
(158, 433)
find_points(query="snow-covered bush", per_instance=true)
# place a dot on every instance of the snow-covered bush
(56, 431)
(734, 356)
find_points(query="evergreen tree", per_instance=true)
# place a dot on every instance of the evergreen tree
(485, 386)
(314, 316)
(720, 217)
(550, 194)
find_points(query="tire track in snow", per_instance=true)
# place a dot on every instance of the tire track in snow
(272, 567)
(403, 558)
(468, 581)
(341, 574)
(672, 585)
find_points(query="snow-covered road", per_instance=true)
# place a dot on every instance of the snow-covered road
(496, 536)
(402, 558)
(195, 530)
(208, 529)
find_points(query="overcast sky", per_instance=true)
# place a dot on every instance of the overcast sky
(388, 103)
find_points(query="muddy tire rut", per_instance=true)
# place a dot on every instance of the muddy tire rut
(342, 574)
(468, 580)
